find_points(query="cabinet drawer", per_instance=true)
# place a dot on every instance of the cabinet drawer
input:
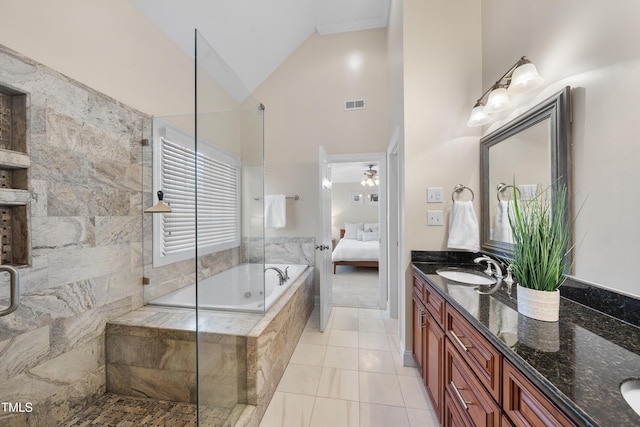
(475, 349)
(467, 393)
(435, 304)
(525, 405)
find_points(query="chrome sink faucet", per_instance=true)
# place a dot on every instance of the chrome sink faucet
(490, 262)
(282, 277)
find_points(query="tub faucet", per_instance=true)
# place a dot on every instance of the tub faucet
(490, 262)
(282, 277)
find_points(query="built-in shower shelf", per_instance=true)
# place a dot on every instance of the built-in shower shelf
(13, 197)
(10, 159)
(15, 163)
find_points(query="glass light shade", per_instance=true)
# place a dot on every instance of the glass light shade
(478, 117)
(524, 79)
(499, 100)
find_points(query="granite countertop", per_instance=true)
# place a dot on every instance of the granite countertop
(578, 362)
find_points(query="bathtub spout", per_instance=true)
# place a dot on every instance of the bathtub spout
(282, 277)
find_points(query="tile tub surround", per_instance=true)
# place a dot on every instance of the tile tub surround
(151, 352)
(595, 352)
(85, 207)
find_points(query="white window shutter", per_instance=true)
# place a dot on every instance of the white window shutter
(218, 206)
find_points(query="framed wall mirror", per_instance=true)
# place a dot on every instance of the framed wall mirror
(531, 151)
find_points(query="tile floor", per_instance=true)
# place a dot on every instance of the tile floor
(349, 375)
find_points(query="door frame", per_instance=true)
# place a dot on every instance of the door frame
(381, 158)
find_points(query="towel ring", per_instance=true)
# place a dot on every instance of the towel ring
(458, 188)
(502, 186)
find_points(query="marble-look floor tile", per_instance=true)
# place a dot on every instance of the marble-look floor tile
(411, 371)
(345, 311)
(310, 336)
(369, 313)
(376, 361)
(345, 323)
(414, 393)
(372, 415)
(422, 418)
(343, 338)
(391, 325)
(301, 379)
(335, 412)
(339, 384)
(341, 357)
(288, 410)
(394, 342)
(308, 354)
(368, 324)
(373, 341)
(383, 389)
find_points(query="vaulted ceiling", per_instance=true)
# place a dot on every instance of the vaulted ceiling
(255, 37)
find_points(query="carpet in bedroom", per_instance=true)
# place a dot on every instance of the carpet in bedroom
(355, 287)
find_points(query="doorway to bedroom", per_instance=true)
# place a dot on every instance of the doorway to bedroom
(358, 237)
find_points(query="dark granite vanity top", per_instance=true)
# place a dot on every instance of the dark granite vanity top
(578, 362)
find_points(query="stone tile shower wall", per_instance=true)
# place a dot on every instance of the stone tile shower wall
(85, 222)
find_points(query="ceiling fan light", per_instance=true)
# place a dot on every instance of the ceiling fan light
(499, 100)
(525, 78)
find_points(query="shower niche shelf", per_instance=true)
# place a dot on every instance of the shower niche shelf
(14, 178)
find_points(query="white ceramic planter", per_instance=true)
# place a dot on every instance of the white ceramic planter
(539, 305)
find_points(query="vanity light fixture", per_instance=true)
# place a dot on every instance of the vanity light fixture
(522, 77)
(370, 177)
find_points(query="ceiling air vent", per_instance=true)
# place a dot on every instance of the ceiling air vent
(355, 104)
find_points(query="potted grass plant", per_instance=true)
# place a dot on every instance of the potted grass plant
(541, 241)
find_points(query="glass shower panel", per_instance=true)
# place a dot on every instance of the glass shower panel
(229, 231)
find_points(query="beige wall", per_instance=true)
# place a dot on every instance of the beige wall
(304, 101)
(442, 75)
(595, 48)
(82, 39)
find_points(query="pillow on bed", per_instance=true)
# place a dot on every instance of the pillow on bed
(370, 236)
(351, 230)
(371, 227)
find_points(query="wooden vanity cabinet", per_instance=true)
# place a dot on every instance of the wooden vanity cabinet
(428, 340)
(472, 400)
(484, 359)
(525, 405)
(467, 379)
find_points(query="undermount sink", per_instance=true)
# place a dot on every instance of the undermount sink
(630, 390)
(469, 277)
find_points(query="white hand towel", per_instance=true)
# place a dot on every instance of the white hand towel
(275, 211)
(463, 227)
(501, 225)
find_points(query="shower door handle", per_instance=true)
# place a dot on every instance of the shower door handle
(14, 276)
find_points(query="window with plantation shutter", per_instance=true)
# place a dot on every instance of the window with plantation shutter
(218, 198)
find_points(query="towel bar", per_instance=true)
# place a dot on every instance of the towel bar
(295, 198)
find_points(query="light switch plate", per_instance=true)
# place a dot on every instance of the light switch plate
(435, 218)
(434, 194)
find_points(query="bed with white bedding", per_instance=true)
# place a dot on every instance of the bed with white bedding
(357, 248)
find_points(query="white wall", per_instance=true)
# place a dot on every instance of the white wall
(342, 210)
(594, 47)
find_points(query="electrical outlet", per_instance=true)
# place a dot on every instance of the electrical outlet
(435, 218)
(434, 195)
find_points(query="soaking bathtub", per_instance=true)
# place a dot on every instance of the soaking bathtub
(238, 289)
